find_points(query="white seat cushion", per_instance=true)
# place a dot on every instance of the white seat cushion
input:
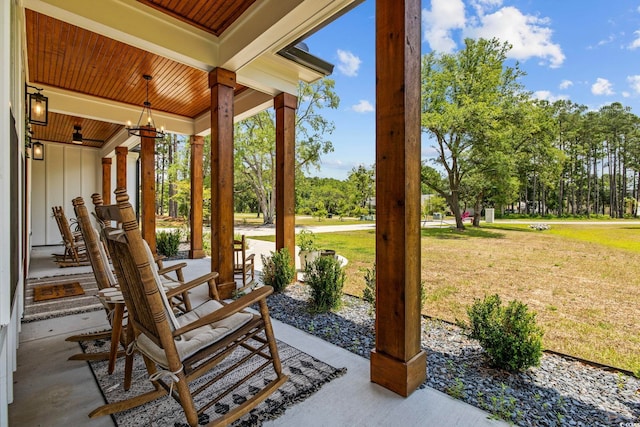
(193, 341)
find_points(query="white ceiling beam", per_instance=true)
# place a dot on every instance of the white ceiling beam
(269, 75)
(246, 104)
(122, 138)
(271, 25)
(135, 24)
(90, 107)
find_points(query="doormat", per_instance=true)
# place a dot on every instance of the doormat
(306, 375)
(62, 290)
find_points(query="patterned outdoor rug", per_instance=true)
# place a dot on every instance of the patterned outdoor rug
(47, 309)
(306, 376)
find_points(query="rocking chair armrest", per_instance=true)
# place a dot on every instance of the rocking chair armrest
(227, 310)
(158, 260)
(250, 257)
(207, 278)
(169, 269)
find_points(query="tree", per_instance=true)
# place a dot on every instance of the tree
(254, 140)
(362, 183)
(467, 101)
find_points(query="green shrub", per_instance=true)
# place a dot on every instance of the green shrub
(278, 270)
(325, 277)
(168, 242)
(369, 292)
(307, 241)
(509, 335)
(206, 243)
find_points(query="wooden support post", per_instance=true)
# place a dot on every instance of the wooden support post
(397, 362)
(121, 167)
(148, 184)
(197, 145)
(106, 179)
(285, 105)
(222, 83)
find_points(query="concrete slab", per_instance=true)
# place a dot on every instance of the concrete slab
(51, 391)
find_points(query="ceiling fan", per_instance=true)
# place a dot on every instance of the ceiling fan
(77, 137)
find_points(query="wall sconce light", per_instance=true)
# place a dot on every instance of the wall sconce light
(38, 106)
(37, 150)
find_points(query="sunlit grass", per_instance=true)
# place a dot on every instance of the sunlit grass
(581, 280)
(625, 237)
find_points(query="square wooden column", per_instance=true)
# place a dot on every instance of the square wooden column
(121, 167)
(397, 362)
(148, 188)
(106, 179)
(222, 83)
(197, 146)
(285, 105)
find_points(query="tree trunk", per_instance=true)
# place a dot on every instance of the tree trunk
(454, 204)
(477, 210)
(173, 204)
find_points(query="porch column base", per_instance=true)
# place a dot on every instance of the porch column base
(398, 376)
(196, 254)
(226, 289)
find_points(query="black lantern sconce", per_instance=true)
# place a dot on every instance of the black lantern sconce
(37, 150)
(38, 106)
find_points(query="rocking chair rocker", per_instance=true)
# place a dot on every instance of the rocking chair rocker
(187, 347)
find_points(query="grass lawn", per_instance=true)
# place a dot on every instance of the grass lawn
(253, 219)
(582, 280)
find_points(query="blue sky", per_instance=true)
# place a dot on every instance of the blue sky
(586, 51)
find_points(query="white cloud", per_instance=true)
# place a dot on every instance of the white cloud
(481, 5)
(444, 16)
(529, 35)
(363, 106)
(548, 96)
(636, 43)
(634, 82)
(602, 87)
(349, 64)
(565, 84)
(626, 94)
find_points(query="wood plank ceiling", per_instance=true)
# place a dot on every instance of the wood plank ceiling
(65, 56)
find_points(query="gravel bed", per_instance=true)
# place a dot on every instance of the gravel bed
(560, 392)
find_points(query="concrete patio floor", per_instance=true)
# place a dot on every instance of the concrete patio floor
(51, 391)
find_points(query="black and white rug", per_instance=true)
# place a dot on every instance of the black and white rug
(306, 376)
(40, 310)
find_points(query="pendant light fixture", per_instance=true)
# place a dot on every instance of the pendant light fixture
(146, 126)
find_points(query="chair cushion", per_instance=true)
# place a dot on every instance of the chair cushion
(191, 342)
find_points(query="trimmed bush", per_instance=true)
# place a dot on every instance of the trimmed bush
(369, 292)
(168, 242)
(278, 270)
(509, 335)
(325, 277)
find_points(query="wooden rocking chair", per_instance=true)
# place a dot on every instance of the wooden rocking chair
(108, 293)
(180, 302)
(111, 296)
(74, 248)
(243, 264)
(187, 347)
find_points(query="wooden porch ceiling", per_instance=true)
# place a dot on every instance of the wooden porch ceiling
(100, 51)
(60, 129)
(211, 16)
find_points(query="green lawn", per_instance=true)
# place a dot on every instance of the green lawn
(581, 280)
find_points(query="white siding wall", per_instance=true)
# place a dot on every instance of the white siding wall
(67, 172)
